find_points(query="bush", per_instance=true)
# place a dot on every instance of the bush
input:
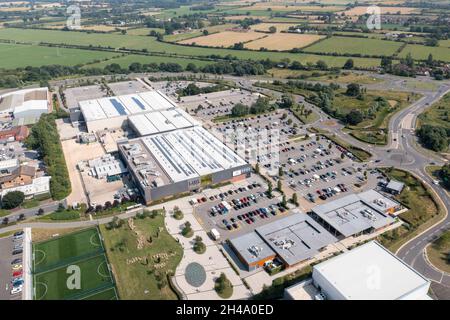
(199, 246)
(223, 286)
(13, 199)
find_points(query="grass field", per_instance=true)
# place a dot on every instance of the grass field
(15, 56)
(150, 43)
(421, 52)
(55, 262)
(438, 114)
(125, 61)
(439, 252)
(53, 252)
(283, 41)
(224, 39)
(364, 46)
(139, 279)
(359, 11)
(423, 210)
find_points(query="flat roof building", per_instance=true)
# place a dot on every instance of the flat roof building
(369, 272)
(395, 187)
(146, 112)
(356, 214)
(295, 238)
(27, 103)
(179, 161)
(292, 239)
(252, 250)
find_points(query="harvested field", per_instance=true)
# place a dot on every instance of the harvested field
(266, 26)
(284, 41)
(265, 6)
(359, 11)
(224, 39)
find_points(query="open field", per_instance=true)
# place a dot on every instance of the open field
(224, 39)
(150, 43)
(289, 8)
(283, 41)
(15, 55)
(125, 61)
(159, 256)
(266, 25)
(422, 52)
(364, 46)
(61, 250)
(438, 114)
(423, 210)
(359, 11)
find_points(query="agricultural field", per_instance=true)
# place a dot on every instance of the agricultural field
(283, 41)
(150, 43)
(224, 39)
(143, 258)
(359, 11)
(422, 52)
(16, 55)
(265, 26)
(343, 45)
(126, 60)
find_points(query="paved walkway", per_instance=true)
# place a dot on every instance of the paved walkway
(212, 260)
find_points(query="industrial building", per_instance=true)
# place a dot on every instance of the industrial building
(367, 272)
(356, 214)
(146, 112)
(252, 250)
(292, 239)
(26, 105)
(180, 160)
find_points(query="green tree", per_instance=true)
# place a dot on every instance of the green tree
(279, 185)
(239, 110)
(349, 64)
(354, 117)
(294, 199)
(13, 199)
(353, 90)
(272, 29)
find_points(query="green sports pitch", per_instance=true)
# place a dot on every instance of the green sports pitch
(80, 255)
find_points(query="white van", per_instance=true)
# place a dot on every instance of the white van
(215, 234)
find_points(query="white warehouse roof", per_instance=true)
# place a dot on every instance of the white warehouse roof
(28, 100)
(148, 112)
(370, 272)
(190, 152)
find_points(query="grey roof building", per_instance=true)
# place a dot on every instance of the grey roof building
(356, 214)
(395, 187)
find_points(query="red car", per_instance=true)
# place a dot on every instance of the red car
(17, 273)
